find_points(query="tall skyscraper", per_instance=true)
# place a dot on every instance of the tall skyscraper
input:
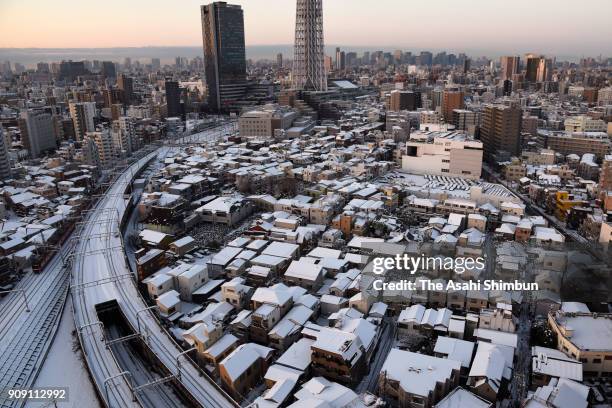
(5, 163)
(108, 69)
(501, 130)
(37, 131)
(509, 66)
(82, 114)
(309, 51)
(126, 84)
(173, 98)
(279, 60)
(538, 68)
(224, 54)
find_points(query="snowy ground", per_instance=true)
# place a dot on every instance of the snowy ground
(64, 367)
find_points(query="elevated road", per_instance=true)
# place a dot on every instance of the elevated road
(100, 275)
(29, 321)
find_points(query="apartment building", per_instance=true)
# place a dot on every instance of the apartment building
(578, 143)
(584, 124)
(501, 130)
(586, 338)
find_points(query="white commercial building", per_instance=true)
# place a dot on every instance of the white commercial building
(444, 154)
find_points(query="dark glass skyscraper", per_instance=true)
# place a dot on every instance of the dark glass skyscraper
(173, 98)
(224, 54)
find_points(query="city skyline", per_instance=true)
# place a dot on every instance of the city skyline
(451, 25)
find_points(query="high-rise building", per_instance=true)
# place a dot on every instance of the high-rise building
(224, 54)
(104, 146)
(126, 84)
(108, 69)
(309, 54)
(452, 98)
(69, 70)
(404, 100)
(426, 58)
(509, 66)
(535, 70)
(340, 60)
(155, 63)
(124, 134)
(501, 130)
(173, 98)
(544, 72)
(279, 60)
(365, 60)
(467, 120)
(82, 114)
(5, 162)
(37, 131)
(507, 87)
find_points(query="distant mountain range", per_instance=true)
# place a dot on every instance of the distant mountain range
(30, 56)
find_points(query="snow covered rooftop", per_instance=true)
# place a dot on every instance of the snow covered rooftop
(416, 373)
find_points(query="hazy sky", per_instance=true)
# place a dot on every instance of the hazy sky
(562, 27)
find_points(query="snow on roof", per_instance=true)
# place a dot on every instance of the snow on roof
(276, 395)
(554, 363)
(221, 204)
(416, 373)
(506, 229)
(243, 357)
(548, 234)
(559, 393)
(574, 307)
(455, 349)
(339, 342)
(497, 337)
(493, 362)
(257, 244)
(278, 372)
(304, 270)
(168, 299)
(221, 345)
(462, 398)
(490, 364)
(378, 309)
(281, 249)
(321, 252)
(297, 355)
(239, 242)
(320, 392)
(589, 332)
(183, 241)
(364, 242)
(455, 219)
(365, 330)
(151, 236)
(272, 295)
(225, 256)
(412, 314)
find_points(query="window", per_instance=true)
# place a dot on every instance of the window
(597, 361)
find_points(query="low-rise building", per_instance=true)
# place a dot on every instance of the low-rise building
(410, 380)
(586, 338)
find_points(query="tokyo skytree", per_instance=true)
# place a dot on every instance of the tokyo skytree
(309, 53)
